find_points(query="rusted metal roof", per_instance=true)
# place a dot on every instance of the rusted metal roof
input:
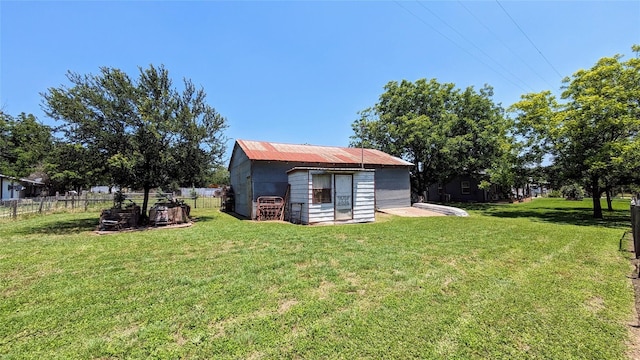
(269, 151)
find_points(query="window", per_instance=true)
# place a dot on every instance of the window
(321, 188)
(465, 188)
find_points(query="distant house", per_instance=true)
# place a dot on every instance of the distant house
(465, 189)
(12, 188)
(460, 189)
(325, 183)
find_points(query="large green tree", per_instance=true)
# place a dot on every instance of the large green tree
(443, 130)
(71, 167)
(594, 132)
(25, 144)
(141, 133)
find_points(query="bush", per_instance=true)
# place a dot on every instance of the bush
(572, 192)
(555, 194)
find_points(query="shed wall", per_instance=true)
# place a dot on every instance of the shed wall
(393, 188)
(240, 173)
(300, 195)
(270, 178)
(364, 196)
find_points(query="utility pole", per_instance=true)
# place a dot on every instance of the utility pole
(362, 123)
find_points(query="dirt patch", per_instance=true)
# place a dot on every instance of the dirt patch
(325, 289)
(410, 212)
(595, 304)
(286, 305)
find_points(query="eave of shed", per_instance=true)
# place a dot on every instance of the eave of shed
(329, 169)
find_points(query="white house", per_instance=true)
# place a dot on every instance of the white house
(12, 188)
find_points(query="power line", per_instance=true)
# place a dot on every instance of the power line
(525, 35)
(504, 44)
(459, 46)
(473, 44)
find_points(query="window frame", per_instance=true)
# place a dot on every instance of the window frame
(465, 190)
(320, 194)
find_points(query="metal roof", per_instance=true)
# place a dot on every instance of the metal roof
(269, 151)
(36, 181)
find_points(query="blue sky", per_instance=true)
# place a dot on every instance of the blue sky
(299, 71)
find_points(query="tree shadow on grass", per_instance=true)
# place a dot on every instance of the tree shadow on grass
(66, 227)
(198, 219)
(76, 226)
(569, 215)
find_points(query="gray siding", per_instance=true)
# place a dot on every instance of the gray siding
(393, 188)
(270, 178)
(240, 173)
(300, 193)
(364, 196)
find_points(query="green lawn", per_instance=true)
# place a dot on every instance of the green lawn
(533, 280)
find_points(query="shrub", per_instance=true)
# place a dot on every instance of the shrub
(555, 194)
(572, 192)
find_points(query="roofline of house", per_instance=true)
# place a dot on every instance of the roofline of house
(21, 179)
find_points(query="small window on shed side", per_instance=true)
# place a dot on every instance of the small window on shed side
(321, 188)
(465, 188)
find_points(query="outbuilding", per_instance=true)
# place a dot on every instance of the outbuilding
(320, 183)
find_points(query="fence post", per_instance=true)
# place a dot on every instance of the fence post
(41, 204)
(635, 228)
(14, 205)
(86, 201)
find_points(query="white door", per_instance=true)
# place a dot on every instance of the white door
(344, 197)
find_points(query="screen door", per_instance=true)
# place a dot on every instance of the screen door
(344, 197)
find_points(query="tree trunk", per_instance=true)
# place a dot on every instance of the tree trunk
(609, 206)
(595, 195)
(145, 203)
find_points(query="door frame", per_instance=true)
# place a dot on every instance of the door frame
(335, 198)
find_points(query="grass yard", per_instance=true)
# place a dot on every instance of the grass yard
(532, 280)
